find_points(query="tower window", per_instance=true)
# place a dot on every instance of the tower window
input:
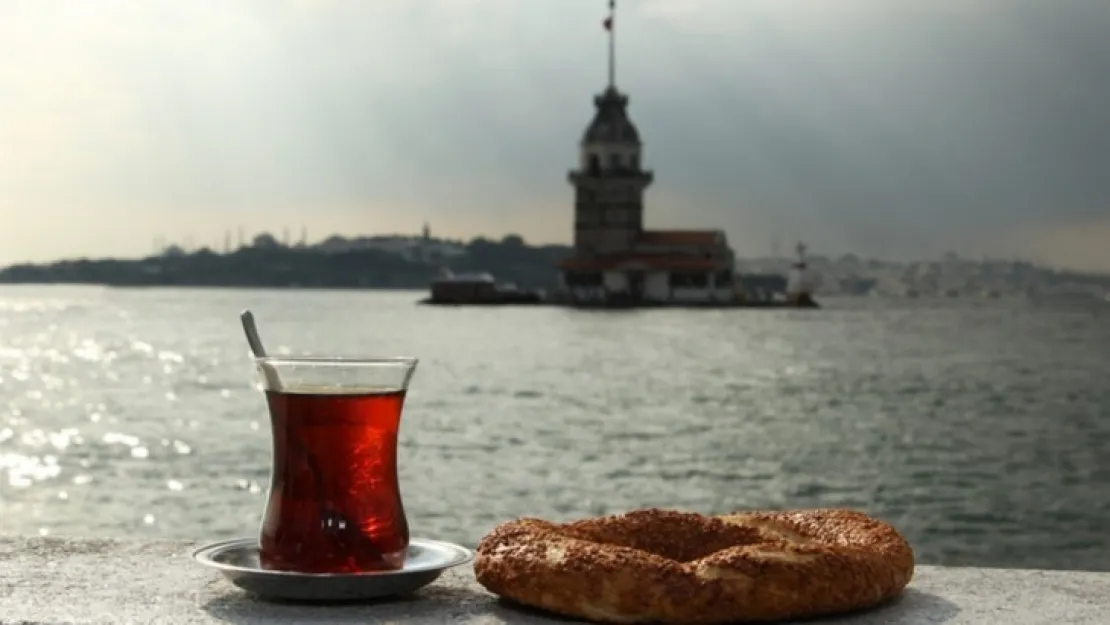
(634, 162)
(594, 166)
(614, 161)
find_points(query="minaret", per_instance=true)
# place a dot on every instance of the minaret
(609, 183)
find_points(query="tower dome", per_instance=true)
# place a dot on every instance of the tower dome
(611, 124)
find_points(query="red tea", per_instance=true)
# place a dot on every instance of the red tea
(335, 503)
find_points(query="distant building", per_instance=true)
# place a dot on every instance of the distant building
(412, 248)
(265, 241)
(615, 258)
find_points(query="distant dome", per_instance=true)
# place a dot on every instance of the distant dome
(611, 123)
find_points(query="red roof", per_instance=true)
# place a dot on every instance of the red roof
(681, 237)
(642, 261)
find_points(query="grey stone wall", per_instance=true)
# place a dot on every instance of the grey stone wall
(55, 581)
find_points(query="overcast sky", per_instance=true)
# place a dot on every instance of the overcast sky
(882, 127)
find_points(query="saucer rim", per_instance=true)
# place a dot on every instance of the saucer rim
(203, 555)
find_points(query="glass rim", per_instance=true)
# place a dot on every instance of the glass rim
(337, 361)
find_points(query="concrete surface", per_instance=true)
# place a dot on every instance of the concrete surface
(56, 581)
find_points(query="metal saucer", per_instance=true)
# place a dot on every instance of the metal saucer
(238, 561)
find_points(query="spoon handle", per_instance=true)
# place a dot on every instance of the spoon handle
(251, 330)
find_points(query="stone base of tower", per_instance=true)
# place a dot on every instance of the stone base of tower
(659, 268)
(634, 279)
(689, 268)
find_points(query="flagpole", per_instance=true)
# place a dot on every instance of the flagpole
(612, 44)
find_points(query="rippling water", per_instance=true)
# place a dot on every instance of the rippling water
(980, 429)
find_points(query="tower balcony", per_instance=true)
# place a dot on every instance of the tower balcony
(578, 176)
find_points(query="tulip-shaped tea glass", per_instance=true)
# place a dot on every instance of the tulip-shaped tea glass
(334, 503)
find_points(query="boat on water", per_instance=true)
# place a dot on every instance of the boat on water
(477, 289)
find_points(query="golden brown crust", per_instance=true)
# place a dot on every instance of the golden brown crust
(675, 567)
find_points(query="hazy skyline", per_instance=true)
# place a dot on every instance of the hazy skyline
(880, 127)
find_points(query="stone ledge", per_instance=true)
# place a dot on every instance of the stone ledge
(54, 581)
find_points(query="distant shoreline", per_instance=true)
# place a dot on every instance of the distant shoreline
(511, 260)
(282, 267)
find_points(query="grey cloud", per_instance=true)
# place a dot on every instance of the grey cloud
(933, 125)
(865, 125)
